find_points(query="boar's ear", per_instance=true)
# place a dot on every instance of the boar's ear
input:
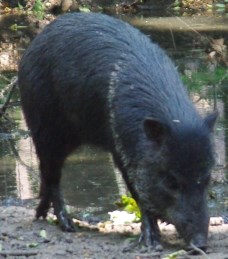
(210, 120)
(156, 130)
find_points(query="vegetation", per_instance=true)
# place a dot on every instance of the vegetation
(203, 5)
(196, 80)
(128, 204)
(40, 7)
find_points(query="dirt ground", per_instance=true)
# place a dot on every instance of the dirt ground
(22, 237)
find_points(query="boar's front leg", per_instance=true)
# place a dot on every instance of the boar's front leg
(150, 233)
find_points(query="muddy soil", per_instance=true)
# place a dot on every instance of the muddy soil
(22, 237)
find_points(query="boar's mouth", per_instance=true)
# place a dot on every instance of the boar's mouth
(195, 235)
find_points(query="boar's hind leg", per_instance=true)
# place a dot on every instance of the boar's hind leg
(150, 235)
(51, 163)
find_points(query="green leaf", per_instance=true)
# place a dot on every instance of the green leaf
(84, 9)
(43, 233)
(176, 8)
(38, 6)
(38, 9)
(175, 254)
(51, 221)
(13, 27)
(33, 245)
(20, 6)
(129, 205)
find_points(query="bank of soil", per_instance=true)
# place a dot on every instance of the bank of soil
(22, 237)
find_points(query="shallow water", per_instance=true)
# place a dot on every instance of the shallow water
(89, 181)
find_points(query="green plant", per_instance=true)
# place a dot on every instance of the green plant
(128, 204)
(205, 77)
(38, 9)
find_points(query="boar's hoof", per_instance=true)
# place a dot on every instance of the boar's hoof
(143, 247)
(65, 222)
(42, 209)
(150, 244)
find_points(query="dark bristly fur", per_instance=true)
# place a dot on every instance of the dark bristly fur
(93, 79)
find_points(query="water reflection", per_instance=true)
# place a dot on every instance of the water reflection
(89, 182)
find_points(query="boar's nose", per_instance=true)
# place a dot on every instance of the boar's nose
(198, 242)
